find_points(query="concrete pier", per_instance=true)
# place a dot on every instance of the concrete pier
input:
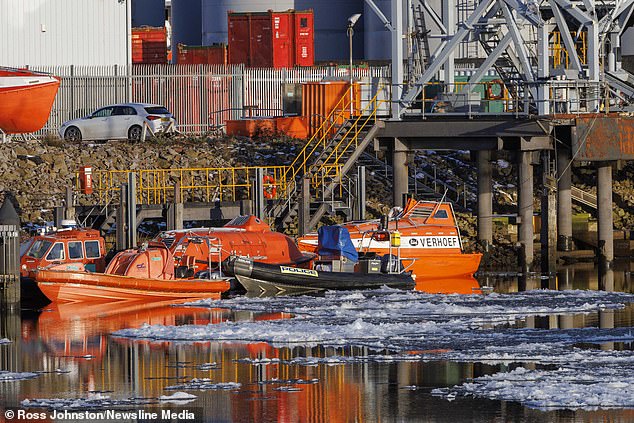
(9, 257)
(548, 233)
(401, 172)
(303, 216)
(525, 210)
(605, 222)
(564, 200)
(485, 199)
(175, 212)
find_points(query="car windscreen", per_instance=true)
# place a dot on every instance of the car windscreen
(157, 110)
(39, 248)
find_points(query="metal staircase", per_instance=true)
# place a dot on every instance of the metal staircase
(326, 160)
(420, 52)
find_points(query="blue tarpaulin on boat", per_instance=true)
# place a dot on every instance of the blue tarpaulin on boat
(335, 241)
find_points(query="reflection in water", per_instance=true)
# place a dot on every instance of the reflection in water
(76, 338)
(466, 285)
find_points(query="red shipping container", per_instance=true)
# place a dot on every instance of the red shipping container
(149, 45)
(215, 54)
(271, 39)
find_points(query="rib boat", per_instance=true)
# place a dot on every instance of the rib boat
(26, 99)
(430, 241)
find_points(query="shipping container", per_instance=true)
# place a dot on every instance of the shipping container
(271, 39)
(328, 102)
(149, 45)
(200, 55)
(294, 126)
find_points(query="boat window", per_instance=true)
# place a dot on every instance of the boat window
(441, 214)
(39, 248)
(92, 249)
(75, 250)
(57, 252)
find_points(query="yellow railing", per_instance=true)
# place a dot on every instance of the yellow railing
(158, 186)
(561, 56)
(332, 165)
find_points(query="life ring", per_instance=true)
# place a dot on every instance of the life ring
(269, 188)
(490, 94)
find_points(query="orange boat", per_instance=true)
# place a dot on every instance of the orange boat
(145, 273)
(426, 235)
(26, 99)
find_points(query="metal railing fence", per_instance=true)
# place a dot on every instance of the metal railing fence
(201, 97)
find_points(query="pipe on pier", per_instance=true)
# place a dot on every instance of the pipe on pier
(485, 199)
(605, 223)
(525, 212)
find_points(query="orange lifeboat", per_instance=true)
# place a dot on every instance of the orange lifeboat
(430, 244)
(26, 99)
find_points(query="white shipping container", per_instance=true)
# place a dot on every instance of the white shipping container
(64, 32)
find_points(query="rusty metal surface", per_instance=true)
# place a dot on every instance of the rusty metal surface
(603, 137)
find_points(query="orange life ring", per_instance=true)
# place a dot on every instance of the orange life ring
(269, 188)
(490, 94)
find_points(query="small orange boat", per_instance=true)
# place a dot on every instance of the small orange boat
(147, 273)
(26, 99)
(425, 233)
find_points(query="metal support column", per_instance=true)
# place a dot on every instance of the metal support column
(259, 207)
(358, 212)
(525, 212)
(548, 234)
(605, 223)
(543, 70)
(449, 20)
(131, 210)
(69, 204)
(303, 216)
(9, 257)
(485, 199)
(400, 173)
(397, 57)
(122, 219)
(564, 201)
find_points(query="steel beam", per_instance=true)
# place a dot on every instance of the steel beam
(397, 57)
(490, 61)
(564, 30)
(449, 18)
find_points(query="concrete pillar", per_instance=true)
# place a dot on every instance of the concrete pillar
(131, 210)
(259, 205)
(525, 212)
(548, 235)
(178, 207)
(9, 257)
(564, 201)
(358, 211)
(400, 172)
(303, 216)
(485, 199)
(605, 223)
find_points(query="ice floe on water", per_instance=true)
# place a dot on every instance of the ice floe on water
(93, 401)
(412, 326)
(178, 398)
(203, 384)
(563, 388)
(6, 376)
(4, 341)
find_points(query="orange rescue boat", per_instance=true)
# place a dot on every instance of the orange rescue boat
(145, 273)
(26, 99)
(427, 235)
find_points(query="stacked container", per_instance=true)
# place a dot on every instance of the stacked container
(196, 55)
(149, 45)
(272, 39)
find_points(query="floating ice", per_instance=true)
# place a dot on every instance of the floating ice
(6, 376)
(4, 341)
(414, 326)
(178, 398)
(205, 384)
(93, 401)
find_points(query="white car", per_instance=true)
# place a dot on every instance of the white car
(119, 121)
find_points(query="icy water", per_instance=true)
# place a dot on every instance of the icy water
(558, 350)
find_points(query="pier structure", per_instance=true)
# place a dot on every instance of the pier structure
(550, 104)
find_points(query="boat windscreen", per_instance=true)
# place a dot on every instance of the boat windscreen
(39, 248)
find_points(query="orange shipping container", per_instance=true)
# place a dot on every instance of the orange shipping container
(215, 54)
(321, 100)
(149, 45)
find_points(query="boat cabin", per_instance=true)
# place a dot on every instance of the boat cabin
(71, 247)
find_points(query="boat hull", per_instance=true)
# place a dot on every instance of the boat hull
(271, 278)
(63, 286)
(25, 109)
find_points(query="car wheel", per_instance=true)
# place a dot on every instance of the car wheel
(134, 133)
(72, 134)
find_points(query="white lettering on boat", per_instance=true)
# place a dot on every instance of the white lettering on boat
(299, 271)
(413, 242)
